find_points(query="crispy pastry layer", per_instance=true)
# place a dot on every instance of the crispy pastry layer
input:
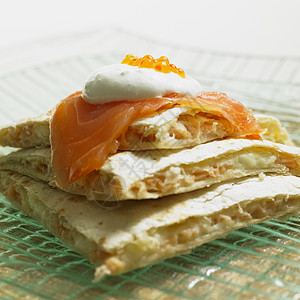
(132, 234)
(157, 173)
(173, 129)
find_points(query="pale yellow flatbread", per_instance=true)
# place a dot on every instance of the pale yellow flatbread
(157, 173)
(133, 234)
(274, 131)
(175, 128)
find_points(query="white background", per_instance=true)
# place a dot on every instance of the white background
(269, 27)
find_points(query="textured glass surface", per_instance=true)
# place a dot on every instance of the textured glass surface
(257, 262)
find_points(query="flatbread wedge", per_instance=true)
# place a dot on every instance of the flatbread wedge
(133, 234)
(173, 129)
(157, 173)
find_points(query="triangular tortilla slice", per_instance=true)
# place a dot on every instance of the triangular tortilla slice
(133, 234)
(157, 173)
(175, 128)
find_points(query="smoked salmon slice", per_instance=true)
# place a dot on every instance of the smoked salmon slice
(83, 135)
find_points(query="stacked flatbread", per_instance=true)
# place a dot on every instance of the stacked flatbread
(171, 189)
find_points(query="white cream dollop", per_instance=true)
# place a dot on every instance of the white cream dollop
(123, 82)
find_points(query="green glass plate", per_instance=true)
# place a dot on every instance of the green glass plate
(258, 262)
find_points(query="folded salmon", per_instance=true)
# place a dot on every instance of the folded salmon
(137, 233)
(157, 173)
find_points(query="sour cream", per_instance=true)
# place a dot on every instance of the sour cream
(123, 82)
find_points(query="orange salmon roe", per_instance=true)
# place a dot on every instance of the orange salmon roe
(161, 64)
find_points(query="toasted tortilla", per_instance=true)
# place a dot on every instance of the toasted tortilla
(175, 128)
(133, 234)
(156, 173)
